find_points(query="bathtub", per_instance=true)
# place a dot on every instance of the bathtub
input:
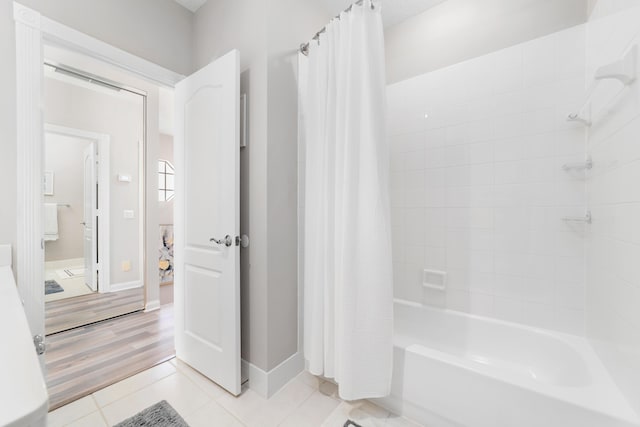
(453, 369)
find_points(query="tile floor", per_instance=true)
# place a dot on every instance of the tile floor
(305, 402)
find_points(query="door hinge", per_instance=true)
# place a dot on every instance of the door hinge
(38, 342)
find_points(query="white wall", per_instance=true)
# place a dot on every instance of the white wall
(64, 156)
(220, 26)
(457, 30)
(8, 214)
(267, 39)
(121, 117)
(157, 30)
(478, 188)
(613, 251)
(285, 36)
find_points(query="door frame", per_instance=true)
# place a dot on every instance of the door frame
(102, 142)
(33, 31)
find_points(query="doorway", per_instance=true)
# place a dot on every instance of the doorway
(70, 217)
(76, 162)
(207, 287)
(94, 186)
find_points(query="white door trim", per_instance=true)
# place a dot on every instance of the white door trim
(32, 32)
(30, 162)
(103, 142)
(60, 35)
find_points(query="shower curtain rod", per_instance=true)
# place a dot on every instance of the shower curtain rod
(304, 47)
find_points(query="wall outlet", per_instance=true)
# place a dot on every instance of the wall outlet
(128, 214)
(126, 265)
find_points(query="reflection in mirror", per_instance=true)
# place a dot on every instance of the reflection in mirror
(166, 181)
(93, 215)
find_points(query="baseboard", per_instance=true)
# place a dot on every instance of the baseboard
(257, 378)
(116, 287)
(266, 384)
(152, 305)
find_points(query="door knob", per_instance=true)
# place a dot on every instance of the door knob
(227, 241)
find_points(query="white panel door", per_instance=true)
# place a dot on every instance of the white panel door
(89, 220)
(207, 221)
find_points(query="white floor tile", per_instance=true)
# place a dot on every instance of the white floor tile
(310, 380)
(176, 389)
(244, 407)
(212, 414)
(92, 420)
(398, 421)
(71, 412)
(364, 413)
(205, 384)
(254, 410)
(328, 389)
(306, 401)
(312, 412)
(132, 384)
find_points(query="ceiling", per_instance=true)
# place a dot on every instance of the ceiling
(393, 11)
(192, 5)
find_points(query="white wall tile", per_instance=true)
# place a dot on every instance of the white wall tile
(434, 177)
(482, 152)
(483, 173)
(541, 61)
(540, 315)
(434, 158)
(570, 296)
(456, 155)
(414, 160)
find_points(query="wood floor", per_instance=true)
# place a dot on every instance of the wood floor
(84, 360)
(81, 310)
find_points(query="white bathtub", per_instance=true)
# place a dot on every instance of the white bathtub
(453, 369)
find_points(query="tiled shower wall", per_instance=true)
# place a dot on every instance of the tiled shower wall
(478, 190)
(613, 188)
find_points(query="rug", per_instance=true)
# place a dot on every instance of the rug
(159, 415)
(52, 287)
(350, 423)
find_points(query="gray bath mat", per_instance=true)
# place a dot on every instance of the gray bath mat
(52, 287)
(159, 415)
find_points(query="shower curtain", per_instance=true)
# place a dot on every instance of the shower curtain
(348, 284)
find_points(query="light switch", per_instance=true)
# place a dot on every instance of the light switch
(124, 178)
(126, 265)
(129, 214)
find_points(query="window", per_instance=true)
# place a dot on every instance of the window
(166, 181)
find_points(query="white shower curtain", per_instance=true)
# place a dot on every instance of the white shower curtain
(348, 284)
